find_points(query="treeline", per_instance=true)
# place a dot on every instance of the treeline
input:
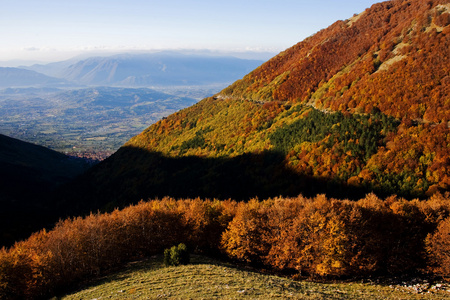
(327, 237)
(307, 236)
(81, 248)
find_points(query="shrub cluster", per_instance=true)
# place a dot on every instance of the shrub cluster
(311, 236)
(76, 249)
(176, 255)
(329, 237)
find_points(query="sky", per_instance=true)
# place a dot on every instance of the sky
(55, 30)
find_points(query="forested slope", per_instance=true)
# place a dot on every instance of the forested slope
(360, 106)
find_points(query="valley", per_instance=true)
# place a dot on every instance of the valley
(88, 122)
(90, 107)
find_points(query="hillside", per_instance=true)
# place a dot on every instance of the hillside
(28, 174)
(360, 106)
(393, 56)
(206, 278)
(345, 136)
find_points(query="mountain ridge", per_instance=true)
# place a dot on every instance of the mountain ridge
(151, 69)
(349, 96)
(378, 40)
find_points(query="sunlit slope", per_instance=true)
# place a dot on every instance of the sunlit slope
(394, 56)
(206, 278)
(360, 106)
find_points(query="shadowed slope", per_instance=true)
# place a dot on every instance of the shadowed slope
(28, 174)
(133, 174)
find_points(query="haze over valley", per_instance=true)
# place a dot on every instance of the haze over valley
(91, 107)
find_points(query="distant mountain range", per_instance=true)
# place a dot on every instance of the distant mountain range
(40, 101)
(16, 77)
(143, 70)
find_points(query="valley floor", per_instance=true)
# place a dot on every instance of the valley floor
(210, 279)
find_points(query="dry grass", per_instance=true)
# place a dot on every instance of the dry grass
(208, 279)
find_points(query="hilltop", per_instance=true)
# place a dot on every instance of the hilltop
(360, 106)
(214, 279)
(404, 242)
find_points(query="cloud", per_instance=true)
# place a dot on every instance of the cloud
(32, 49)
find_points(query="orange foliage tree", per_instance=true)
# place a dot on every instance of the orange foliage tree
(317, 236)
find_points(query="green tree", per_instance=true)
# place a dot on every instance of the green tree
(177, 255)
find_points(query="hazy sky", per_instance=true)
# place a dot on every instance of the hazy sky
(52, 30)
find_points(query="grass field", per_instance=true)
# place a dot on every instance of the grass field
(209, 279)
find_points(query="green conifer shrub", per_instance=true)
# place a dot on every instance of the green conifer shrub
(176, 255)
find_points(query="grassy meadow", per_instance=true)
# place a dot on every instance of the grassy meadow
(210, 279)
